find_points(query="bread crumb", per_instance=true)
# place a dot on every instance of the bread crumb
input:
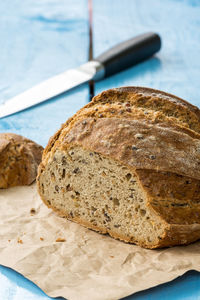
(41, 239)
(111, 256)
(60, 240)
(32, 211)
(19, 241)
(139, 136)
(9, 241)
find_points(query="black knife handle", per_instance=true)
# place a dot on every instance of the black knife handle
(129, 53)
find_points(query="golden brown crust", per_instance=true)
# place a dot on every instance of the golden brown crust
(174, 197)
(169, 96)
(121, 111)
(19, 159)
(138, 144)
(141, 97)
(163, 149)
(156, 100)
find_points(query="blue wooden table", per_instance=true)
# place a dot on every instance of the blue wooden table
(40, 38)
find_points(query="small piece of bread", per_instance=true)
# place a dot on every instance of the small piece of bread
(128, 164)
(19, 160)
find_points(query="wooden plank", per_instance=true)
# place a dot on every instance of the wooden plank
(175, 68)
(40, 39)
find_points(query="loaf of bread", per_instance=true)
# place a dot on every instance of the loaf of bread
(19, 160)
(128, 164)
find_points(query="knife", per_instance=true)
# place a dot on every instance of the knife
(114, 60)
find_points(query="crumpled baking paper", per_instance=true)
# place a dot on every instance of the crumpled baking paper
(68, 260)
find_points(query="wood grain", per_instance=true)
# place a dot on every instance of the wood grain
(40, 39)
(175, 69)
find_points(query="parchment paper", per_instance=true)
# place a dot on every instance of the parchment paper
(66, 259)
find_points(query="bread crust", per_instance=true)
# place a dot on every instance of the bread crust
(137, 144)
(132, 91)
(170, 97)
(170, 152)
(19, 160)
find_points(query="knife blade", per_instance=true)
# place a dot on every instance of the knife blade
(114, 60)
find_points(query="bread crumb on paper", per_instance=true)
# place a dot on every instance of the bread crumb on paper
(60, 240)
(32, 211)
(19, 241)
(41, 239)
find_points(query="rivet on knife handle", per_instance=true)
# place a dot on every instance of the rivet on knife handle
(128, 53)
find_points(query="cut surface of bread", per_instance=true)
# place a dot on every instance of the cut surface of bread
(128, 164)
(92, 185)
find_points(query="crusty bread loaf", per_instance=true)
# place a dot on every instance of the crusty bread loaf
(19, 160)
(128, 164)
